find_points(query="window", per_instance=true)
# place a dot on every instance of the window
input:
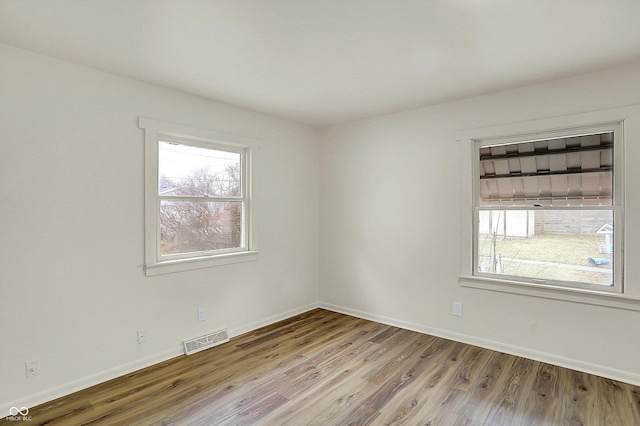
(202, 199)
(548, 208)
(197, 203)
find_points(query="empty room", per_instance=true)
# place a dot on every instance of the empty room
(312, 212)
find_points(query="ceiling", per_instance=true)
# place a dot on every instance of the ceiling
(324, 62)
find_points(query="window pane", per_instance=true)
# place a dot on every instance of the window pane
(190, 226)
(197, 172)
(569, 171)
(565, 245)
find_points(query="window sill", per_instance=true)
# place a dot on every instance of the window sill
(590, 297)
(181, 265)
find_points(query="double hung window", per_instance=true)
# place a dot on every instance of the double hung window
(198, 205)
(201, 198)
(548, 208)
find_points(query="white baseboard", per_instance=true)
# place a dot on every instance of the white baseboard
(574, 364)
(86, 382)
(272, 319)
(103, 376)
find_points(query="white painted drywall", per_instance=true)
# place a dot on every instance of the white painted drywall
(391, 215)
(72, 288)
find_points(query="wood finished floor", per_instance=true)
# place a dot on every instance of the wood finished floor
(325, 368)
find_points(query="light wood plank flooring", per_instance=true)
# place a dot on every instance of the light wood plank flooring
(325, 368)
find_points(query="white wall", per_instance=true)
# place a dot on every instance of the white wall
(391, 215)
(386, 190)
(72, 288)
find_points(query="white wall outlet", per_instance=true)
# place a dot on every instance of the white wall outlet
(142, 336)
(33, 368)
(457, 309)
(202, 314)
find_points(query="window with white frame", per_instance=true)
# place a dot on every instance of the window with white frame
(197, 201)
(548, 208)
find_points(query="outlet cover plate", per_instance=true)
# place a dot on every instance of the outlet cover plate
(202, 314)
(457, 309)
(33, 368)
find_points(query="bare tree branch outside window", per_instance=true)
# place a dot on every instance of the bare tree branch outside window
(192, 226)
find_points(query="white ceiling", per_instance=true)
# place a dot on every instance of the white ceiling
(323, 62)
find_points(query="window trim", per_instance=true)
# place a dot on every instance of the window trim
(154, 130)
(546, 126)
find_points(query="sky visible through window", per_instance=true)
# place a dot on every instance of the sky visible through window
(177, 162)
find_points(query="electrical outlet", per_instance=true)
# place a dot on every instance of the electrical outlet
(33, 368)
(457, 309)
(142, 336)
(202, 314)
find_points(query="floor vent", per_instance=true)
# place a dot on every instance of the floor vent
(205, 342)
